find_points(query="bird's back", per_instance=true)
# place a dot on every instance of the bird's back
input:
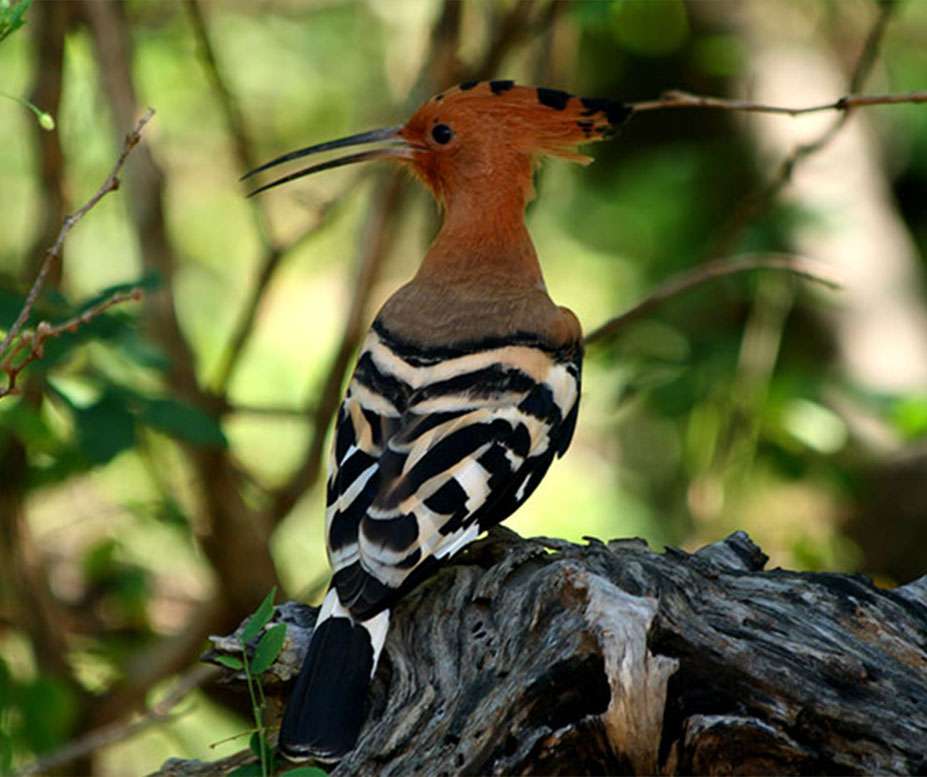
(445, 430)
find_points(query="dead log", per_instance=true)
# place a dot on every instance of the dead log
(541, 656)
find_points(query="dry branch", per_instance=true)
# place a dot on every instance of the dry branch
(759, 201)
(544, 657)
(31, 345)
(233, 540)
(120, 731)
(54, 252)
(709, 271)
(679, 99)
(273, 252)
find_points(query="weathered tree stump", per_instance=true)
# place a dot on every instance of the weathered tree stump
(544, 657)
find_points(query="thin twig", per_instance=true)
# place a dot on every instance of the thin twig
(33, 343)
(54, 253)
(762, 337)
(268, 411)
(678, 99)
(759, 201)
(234, 118)
(269, 264)
(122, 730)
(709, 271)
(273, 252)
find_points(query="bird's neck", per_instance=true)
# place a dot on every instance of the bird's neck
(484, 239)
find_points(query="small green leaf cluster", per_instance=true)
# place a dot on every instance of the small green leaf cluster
(269, 643)
(11, 16)
(103, 401)
(36, 715)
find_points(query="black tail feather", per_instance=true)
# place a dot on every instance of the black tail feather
(326, 708)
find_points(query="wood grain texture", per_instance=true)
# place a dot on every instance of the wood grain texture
(545, 657)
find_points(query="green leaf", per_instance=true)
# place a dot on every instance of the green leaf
(909, 415)
(247, 770)
(141, 351)
(268, 649)
(254, 744)
(150, 281)
(6, 753)
(306, 771)
(6, 687)
(260, 618)
(105, 428)
(182, 421)
(26, 423)
(49, 714)
(11, 16)
(229, 662)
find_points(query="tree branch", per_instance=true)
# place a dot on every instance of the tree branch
(231, 535)
(269, 263)
(710, 271)
(540, 656)
(120, 731)
(33, 343)
(54, 252)
(759, 201)
(679, 99)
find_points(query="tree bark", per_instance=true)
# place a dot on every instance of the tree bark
(544, 657)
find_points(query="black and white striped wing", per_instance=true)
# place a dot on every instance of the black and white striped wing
(468, 449)
(366, 420)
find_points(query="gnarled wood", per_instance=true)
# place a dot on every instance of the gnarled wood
(544, 657)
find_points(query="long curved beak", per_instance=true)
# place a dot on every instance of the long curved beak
(396, 148)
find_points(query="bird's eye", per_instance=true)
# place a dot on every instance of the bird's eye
(442, 134)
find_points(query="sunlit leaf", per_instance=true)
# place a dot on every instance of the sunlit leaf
(815, 425)
(268, 648)
(260, 618)
(229, 662)
(11, 16)
(49, 713)
(909, 416)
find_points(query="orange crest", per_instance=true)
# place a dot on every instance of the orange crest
(496, 128)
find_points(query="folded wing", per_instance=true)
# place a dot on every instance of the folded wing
(428, 456)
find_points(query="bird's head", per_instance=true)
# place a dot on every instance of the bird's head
(477, 134)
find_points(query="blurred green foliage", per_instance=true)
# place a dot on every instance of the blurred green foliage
(730, 407)
(12, 17)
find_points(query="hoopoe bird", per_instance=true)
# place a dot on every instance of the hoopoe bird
(466, 388)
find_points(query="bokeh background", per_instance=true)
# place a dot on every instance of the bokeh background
(159, 472)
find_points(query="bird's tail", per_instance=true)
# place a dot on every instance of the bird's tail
(325, 711)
